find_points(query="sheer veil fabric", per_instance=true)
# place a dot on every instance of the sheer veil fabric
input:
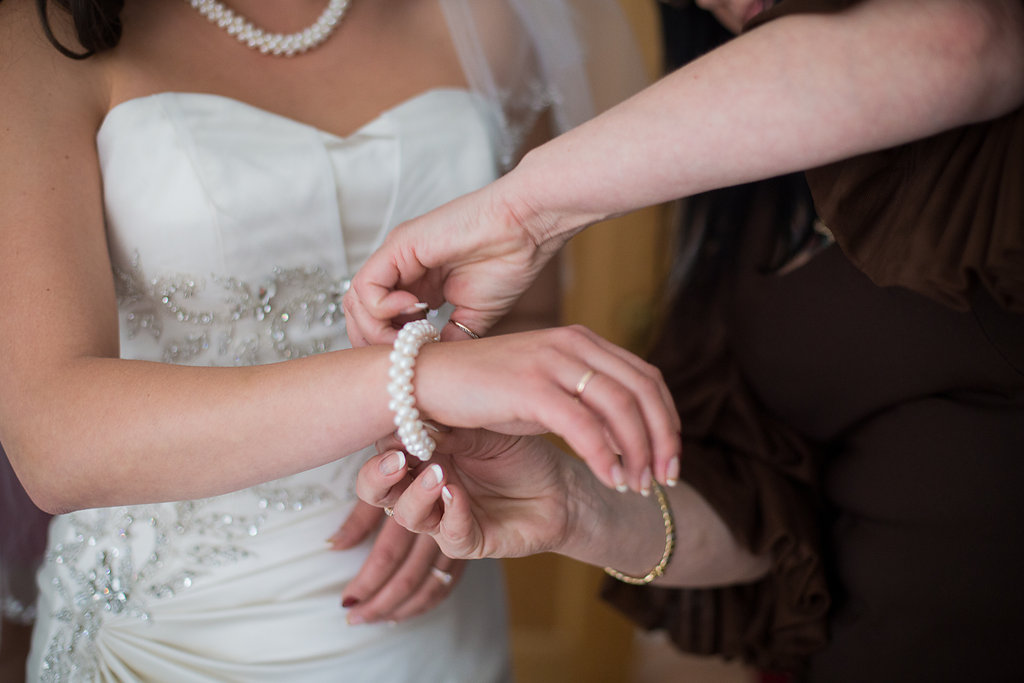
(522, 58)
(575, 58)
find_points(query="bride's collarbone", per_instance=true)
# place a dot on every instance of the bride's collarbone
(366, 67)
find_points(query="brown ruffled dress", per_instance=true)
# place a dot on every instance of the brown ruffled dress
(861, 420)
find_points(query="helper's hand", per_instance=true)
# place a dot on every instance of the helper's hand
(404, 575)
(612, 408)
(487, 494)
(471, 252)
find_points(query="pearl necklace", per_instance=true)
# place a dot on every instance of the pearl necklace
(273, 43)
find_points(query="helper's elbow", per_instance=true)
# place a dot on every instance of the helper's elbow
(985, 40)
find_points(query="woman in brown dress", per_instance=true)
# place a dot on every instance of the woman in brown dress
(853, 411)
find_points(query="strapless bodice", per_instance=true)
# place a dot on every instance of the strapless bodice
(234, 231)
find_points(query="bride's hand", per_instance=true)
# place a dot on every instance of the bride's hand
(482, 495)
(612, 408)
(404, 575)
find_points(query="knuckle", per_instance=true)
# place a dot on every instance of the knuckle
(405, 585)
(620, 398)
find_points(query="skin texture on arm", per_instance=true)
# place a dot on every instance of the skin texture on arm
(84, 428)
(797, 92)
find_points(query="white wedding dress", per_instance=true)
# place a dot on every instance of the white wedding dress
(233, 233)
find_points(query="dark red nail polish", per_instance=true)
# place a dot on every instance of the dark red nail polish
(349, 602)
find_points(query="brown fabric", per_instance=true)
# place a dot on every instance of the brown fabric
(760, 476)
(884, 392)
(940, 216)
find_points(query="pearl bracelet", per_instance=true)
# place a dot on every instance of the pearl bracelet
(411, 431)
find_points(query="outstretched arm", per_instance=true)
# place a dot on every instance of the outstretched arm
(795, 93)
(85, 428)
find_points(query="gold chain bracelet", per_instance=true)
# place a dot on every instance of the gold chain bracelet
(670, 544)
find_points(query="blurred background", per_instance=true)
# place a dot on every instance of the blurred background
(561, 630)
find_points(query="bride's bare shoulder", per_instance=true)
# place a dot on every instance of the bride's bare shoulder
(33, 73)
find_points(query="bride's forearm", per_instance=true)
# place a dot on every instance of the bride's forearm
(627, 532)
(795, 93)
(111, 431)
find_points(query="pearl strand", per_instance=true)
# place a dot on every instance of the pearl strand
(287, 44)
(411, 431)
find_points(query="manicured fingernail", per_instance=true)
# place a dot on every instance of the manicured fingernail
(434, 476)
(416, 308)
(619, 479)
(354, 619)
(447, 495)
(392, 463)
(645, 482)
(672, 472)
(349, 602)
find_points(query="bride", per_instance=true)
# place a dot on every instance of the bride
(185, 199)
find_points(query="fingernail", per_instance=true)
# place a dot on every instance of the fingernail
(354, 619)
(392, 463)
(645, 482)
(672, 471)
(436, 427)
(619, 479)
(349, 602)
(447, 495)
(434, 476)
(416, 308)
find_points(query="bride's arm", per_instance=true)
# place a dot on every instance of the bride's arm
(85, 428)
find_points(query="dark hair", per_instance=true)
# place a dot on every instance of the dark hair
(710, 225)
(97, 24)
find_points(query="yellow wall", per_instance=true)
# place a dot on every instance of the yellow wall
(561, 631)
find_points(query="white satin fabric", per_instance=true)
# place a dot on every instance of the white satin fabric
(233, 233)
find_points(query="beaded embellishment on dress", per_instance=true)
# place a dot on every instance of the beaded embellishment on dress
(117, 561)
(226, 321)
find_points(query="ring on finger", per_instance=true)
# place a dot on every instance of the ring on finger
(441, 575)
(389, 511)
(470, 333)
(584, 380)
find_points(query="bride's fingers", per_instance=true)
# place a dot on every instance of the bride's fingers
(649, 438)
(357, 527)
(437, 583)
(385, 558)
(624, 426)
(406, 584)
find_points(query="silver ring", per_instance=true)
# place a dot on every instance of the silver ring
(390, 512)
(469, 332)
(584, 380)
(441, 575)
